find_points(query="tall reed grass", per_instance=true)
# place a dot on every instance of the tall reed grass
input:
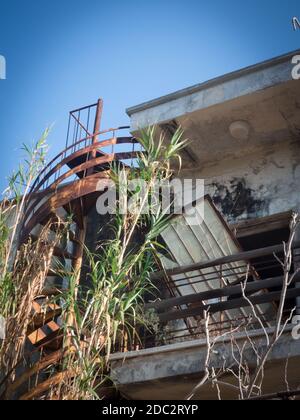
(104, 316)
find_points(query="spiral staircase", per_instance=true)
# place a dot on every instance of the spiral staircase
(66, 190)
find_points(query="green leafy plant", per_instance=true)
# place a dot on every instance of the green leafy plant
(23, 269)
(108, 315)
(102, 313)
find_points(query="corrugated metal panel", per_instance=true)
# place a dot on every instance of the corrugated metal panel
(207, 240)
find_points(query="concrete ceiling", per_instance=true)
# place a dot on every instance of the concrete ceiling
(263, 95)
(273, 115)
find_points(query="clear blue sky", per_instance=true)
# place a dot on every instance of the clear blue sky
(62, 54)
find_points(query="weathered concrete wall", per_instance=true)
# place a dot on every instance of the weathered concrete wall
(247, 179)
(257, 185)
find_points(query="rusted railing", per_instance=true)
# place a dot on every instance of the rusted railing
(81, 156)
(174, 314)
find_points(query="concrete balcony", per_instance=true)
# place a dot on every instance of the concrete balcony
(172, 360)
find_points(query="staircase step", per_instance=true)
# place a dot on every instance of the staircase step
(44, 363)
(40, 337)
(57, 251)
(46, 385)
(57, 224)
(51, 291)
(40, 319)
(52, 341)
(79, 160)
(60, 253)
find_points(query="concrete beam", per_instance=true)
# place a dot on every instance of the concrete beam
(225, 88)
(188, 357)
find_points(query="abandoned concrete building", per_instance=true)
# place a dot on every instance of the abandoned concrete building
(244, 142)
(244, 132)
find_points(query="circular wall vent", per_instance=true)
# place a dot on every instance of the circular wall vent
(240, 130)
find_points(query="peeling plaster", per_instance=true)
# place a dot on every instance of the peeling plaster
(263, 183)
(236, 199)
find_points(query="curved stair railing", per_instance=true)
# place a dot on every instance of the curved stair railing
(62, 191)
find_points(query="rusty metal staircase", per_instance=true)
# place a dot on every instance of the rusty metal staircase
(66, 189)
